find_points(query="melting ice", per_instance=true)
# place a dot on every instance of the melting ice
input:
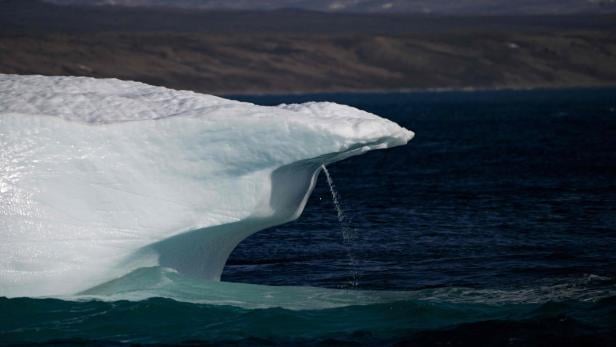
(100, 177)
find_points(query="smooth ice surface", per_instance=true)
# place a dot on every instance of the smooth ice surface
(101, 177)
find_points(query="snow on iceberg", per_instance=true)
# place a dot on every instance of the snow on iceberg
(99, 177)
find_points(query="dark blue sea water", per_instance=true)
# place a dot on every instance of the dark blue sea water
(497, 189)
(496, 225)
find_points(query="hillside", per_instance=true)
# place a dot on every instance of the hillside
(299, 51)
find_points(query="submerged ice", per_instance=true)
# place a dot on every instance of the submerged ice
(100, 177)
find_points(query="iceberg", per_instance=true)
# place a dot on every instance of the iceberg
(100, 177)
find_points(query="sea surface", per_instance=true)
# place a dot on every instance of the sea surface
(495, 225)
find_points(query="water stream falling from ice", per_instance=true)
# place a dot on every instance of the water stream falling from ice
(348, 232)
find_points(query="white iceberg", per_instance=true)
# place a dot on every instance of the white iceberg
(99, 177)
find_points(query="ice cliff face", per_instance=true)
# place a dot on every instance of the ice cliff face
(100, 177)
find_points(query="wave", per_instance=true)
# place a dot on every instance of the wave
(145, 283)
(137, 309)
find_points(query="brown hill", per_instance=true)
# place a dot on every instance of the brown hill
(242, 52)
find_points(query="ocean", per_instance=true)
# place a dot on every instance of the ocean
(495, 225)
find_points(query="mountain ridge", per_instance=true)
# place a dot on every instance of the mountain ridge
(446, 7)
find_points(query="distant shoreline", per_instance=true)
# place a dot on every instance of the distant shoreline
(418, 90)
(229, 94)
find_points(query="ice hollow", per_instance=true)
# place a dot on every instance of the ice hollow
(99, 177)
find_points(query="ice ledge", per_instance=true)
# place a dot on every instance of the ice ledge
(100, 177)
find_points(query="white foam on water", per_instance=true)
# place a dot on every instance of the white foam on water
(152, 282)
